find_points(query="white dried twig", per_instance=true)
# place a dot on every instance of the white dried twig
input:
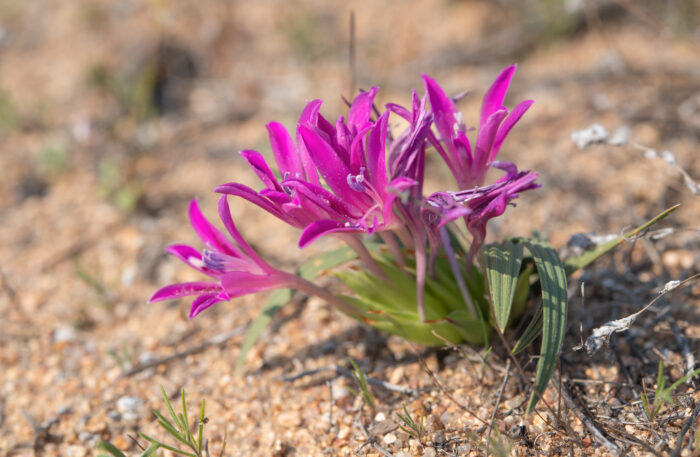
(670, 159)
(601, 335)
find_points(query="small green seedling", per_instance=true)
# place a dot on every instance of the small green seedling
(663, 393)
(361, 380)
(409, 424)
(179, 428)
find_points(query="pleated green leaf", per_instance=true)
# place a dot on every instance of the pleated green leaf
(531, 331)
(502, 261)
(554, 308)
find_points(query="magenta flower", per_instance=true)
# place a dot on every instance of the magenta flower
(469, 166)
(478, 205)
(235, 266)
(351, 159)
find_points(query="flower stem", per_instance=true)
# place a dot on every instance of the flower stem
(457, 271)
(364, 255)
(393, 245)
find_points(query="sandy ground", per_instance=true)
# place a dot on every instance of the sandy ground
(95, 184)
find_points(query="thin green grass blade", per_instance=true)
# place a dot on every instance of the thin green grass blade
(502, 261)
(201, 427)
(185, 419)
(574, 264)
(276, 300)
(223, 446)
(151, 451)
(165, 446)
(531, 331)
(109, 447)
(554, 308)
(169, 428)
(171, 410)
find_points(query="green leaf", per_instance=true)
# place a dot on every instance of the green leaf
(574, 264)
(165, 446)
(531, 331)
(275, 301)
(109, 447)
(554, 303)
(171, 410)
(502, 261)
(151, 451)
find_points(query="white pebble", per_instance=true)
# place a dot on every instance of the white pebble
(129, 407)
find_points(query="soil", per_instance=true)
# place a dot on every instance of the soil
(113, 115)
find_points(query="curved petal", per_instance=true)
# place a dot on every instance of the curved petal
(225, 215)
(183, 289)
(376, 154)
(190, 256)
(333, 170)
(507, 125)
(493, 99)
(210, 234)
(243, 191)
(357, 150)
(399, 110)
(323, 227)
(313, 198)
(203, 302)
(361, 110)
(259, 165)
(308, 116)
(444, 109)
(484, 143)
(284, 150)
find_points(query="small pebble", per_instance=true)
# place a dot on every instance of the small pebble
(64, 334)
(129, 407)
(429, 452)
(76, 451)
(344, 433)
(390, 438)
(379, 417)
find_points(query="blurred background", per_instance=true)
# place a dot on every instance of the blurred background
(113, 115)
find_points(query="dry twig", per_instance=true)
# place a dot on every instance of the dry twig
(689, 423)
(588, 422)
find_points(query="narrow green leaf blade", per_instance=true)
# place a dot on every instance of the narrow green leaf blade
(531, 331)
(503, 262)
(574, 264)
(554, 308)
(109, 447)
(151, 451)
(276, 300)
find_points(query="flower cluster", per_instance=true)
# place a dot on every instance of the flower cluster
(356, 177)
